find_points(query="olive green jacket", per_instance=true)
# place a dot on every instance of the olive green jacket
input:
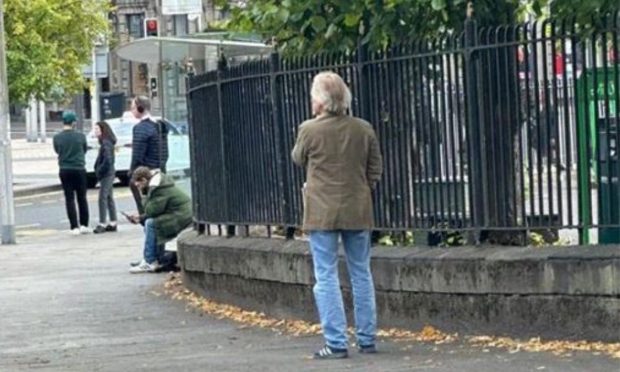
(169, 206)
(343, 163)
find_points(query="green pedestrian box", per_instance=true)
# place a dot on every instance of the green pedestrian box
(597, 141)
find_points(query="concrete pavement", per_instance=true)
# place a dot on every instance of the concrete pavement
(47, 210)
(35, 167)
(68, 304)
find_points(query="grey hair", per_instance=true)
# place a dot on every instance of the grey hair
(331, 92)
(144, 102)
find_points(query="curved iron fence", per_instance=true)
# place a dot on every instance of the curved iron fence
(499, 129)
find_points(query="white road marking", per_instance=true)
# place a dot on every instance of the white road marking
(28, 226)
(37, 232)
(119, 193)
(39, 195)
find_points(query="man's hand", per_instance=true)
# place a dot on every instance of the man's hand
(134, 218)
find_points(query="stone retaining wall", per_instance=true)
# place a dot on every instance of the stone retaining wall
(550, 292)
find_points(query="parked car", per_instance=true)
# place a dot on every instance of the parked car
(178, 149)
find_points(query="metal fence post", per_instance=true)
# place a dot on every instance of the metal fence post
(474, 127)
(221, 66)
(362, 81)
(280, 133)
(364, 102)
(190, 124)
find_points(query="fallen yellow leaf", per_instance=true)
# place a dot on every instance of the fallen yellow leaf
(175, 289)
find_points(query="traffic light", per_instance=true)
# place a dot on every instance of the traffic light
(151, 27)
(153, 86)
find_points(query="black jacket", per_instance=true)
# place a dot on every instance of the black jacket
(146, 145)
(104, 165)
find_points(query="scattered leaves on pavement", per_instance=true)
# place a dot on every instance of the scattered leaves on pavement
(174, 288)
(536, 344)
(427, 334)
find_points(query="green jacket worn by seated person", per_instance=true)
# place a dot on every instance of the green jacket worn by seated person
(169, 206)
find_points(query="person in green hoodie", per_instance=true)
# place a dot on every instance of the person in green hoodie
(167, 212)
(70, 146)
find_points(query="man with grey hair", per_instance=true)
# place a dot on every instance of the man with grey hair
(343, 163)
(149, 146)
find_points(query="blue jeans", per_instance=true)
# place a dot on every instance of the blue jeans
(152, 251)
(327, 294)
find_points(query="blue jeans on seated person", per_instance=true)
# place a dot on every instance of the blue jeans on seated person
(152, 251)
(327, 293)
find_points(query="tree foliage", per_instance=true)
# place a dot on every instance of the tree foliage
(584, 11)
(308, 26)
(48, 42)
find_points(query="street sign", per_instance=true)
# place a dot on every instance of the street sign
(171, 7)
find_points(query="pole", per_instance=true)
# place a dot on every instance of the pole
(94, 94)
(161, 19)
(78, 108)
(475, 134)
(34, 113)
(7, 209)
(27, 119)
(42, 121)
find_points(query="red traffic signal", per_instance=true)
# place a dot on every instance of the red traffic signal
(151, 27)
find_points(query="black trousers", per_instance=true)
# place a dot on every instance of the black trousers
(74, 185)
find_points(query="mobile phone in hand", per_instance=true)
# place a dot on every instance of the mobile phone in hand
(129, 217)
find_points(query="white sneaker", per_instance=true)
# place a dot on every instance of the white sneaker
(145, 267)
(75, 231)
(85, 230)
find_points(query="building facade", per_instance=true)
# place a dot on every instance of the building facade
(132, 78)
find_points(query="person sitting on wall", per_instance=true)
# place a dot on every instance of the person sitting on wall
(167, 212)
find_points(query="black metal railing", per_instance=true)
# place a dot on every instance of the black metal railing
(505, 129)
